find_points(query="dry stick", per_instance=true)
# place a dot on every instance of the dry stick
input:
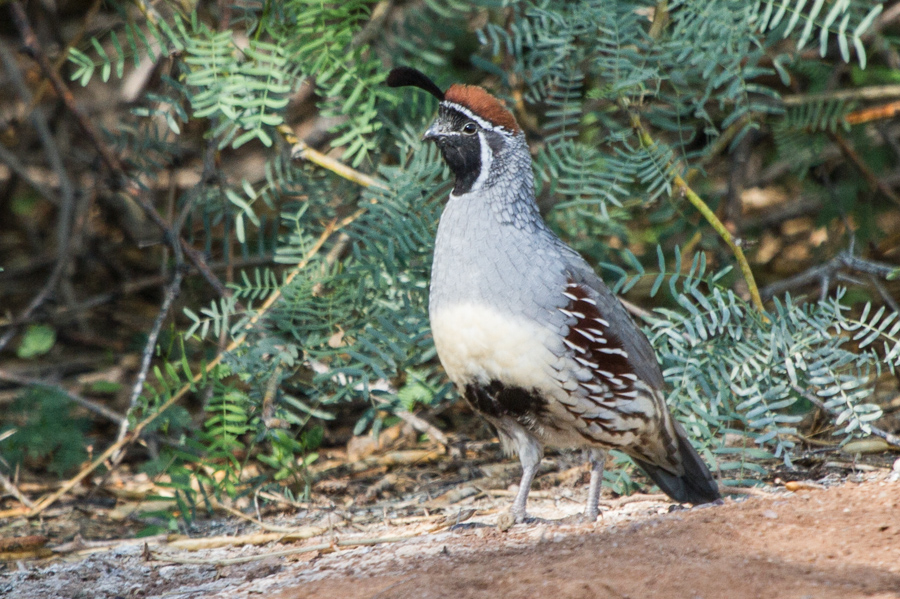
(889, 437)
(64, 54)
(301, 150)
(826, 271)
(872, 92)
(83, 402)
(870, 177)
(171, 293)
(698, 203)
(128, 287)
(14, 491)
(112, 162)
(67, 194)
(136, 433)
(255, 558)
(873, 113)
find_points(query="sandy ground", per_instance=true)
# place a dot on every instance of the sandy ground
(841, 542)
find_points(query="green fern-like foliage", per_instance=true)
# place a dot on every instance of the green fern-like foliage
(350, 323)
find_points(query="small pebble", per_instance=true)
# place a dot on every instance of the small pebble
(770, 514)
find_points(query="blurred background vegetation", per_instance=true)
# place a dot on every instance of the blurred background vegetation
(216, 225)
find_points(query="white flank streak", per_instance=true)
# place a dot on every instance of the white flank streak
(628, 394)
(572, 346)
(586, 335)
(587, 364)
(566, 312)
(477, 343)
(589, 300)
(614, 350)
(574, 298)
(601, 322)
(599, 335)
(578, 315)
(606, 374)
(629, 376)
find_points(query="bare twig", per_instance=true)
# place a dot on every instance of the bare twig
(66, 200)
(307, 549)
(109, 159)
(709, 215)
(792, 209)
(871, 178)
(300, 150)
(872, 92)
(889, 437)
(14, 491)
(81, 401)
(171, 293)
(828, 271)
(183, 390)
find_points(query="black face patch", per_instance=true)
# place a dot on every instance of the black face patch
(463, 156)
(496, 399)
(462, 152)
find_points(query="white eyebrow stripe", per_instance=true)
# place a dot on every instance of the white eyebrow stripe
(481, 122)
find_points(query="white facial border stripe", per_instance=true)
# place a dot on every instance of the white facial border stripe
(487, 157)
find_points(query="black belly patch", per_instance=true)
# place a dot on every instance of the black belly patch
(497, 400)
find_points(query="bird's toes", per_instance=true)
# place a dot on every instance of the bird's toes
(580, 518)
(506, 520)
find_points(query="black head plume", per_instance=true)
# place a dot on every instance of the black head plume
(407, 76)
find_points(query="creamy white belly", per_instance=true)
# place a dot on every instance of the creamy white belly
(476, 343)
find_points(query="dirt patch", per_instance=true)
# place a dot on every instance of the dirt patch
(840, 543)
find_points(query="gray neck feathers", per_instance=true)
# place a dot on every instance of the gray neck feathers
(492, 245)
(509, 187)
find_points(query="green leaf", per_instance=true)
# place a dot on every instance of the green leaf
(37, 340)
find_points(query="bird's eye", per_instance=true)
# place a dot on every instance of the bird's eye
(470, 128)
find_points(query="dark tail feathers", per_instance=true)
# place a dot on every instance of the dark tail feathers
(695, 486)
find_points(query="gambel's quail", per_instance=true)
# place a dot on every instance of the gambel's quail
(526, 330)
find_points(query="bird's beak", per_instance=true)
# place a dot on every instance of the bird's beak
(434, 133)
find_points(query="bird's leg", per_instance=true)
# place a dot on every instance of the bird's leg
(530, 454)
(592, 509)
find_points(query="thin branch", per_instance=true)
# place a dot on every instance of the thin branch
(112, 162)
(96, 408)
(62, 313)
(709, 215)
(889, 437)
(871, 178)
(65, 202)
(829, 270)
(13, 490)
(171, 293)
(183, 390)
(299, 149)
(872, 92)
(261, 556)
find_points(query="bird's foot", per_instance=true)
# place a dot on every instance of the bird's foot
(582, 518)
(506, 520)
